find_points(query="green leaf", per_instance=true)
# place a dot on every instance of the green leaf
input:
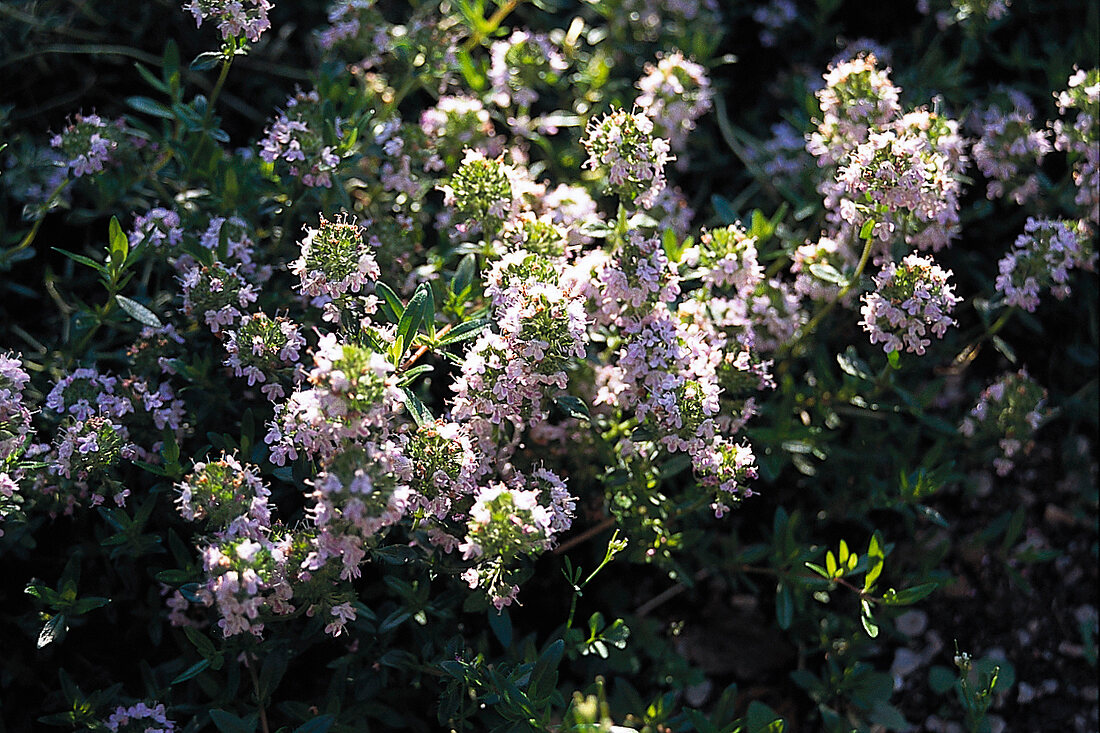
(52, 630)
(573, 407)
(201, 641)
(320, 724)
(784, 605)
(151, 107)
(413, 316)
(465, 331)
(909, 596)
(205, 61)
(869, 625)
(828, 273)
(82, 260)
(889, 717)
(851, 364)
(867, 230)
(118, 246)
(464, 276)
(429, 312)
(941, 679)
(819, 570)
(894, 358)
(544, 677)
(500, 622)
(409, 375)
(1002, 346)
(874, 569)
(150, 467)
(138, 312)
(230, 723)
(420, 414)
(760, 718)
(271, 674)
(173, 576)
(150, 79)
(83, 605)
(392, 307)
(193, 671)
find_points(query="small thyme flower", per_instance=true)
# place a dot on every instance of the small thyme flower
(1041, 257)
(624, 144)
(1008, 413)
(235, 18)
(909, 301)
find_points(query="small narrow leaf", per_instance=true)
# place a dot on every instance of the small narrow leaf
(53, 630)
(573, 407)
(230, 723)
(867, 230)
(784, 605)
(320, 724)
(138, 312)
(151, 107)
(392, 307)
(465, 331)
(205, 61)
(420, 414)
(908, 596)
(464, 275)
(828, 273)
(412, 318)
(193, 671)
(82, 260)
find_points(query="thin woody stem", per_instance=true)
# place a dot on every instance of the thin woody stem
(425, 348)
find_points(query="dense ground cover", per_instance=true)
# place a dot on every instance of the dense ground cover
(549, 365)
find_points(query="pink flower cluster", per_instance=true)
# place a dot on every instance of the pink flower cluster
(1041, 257)
(263, 349)
(226, 494)
(455, 124)
(230, 238)
(486, 192)
(15, 417)
(97, 409)
(15, 431)
(88, 143)
(296, 139)
(140, 718)
(336, 260)
(674, 94)
(1010, 149)
(898, 173)
(541, 324)
(245, 576)
(218, 294)
(504, 523)
(235, 18)
(626, 146)
(92, 445)
(352, 392)
(665, 370)
(1080, 137)
(157, 227)
(909, 301)
(518, 64)
(727, 258)
(1008, 412)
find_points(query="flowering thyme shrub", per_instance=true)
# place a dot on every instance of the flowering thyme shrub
(338, 390)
